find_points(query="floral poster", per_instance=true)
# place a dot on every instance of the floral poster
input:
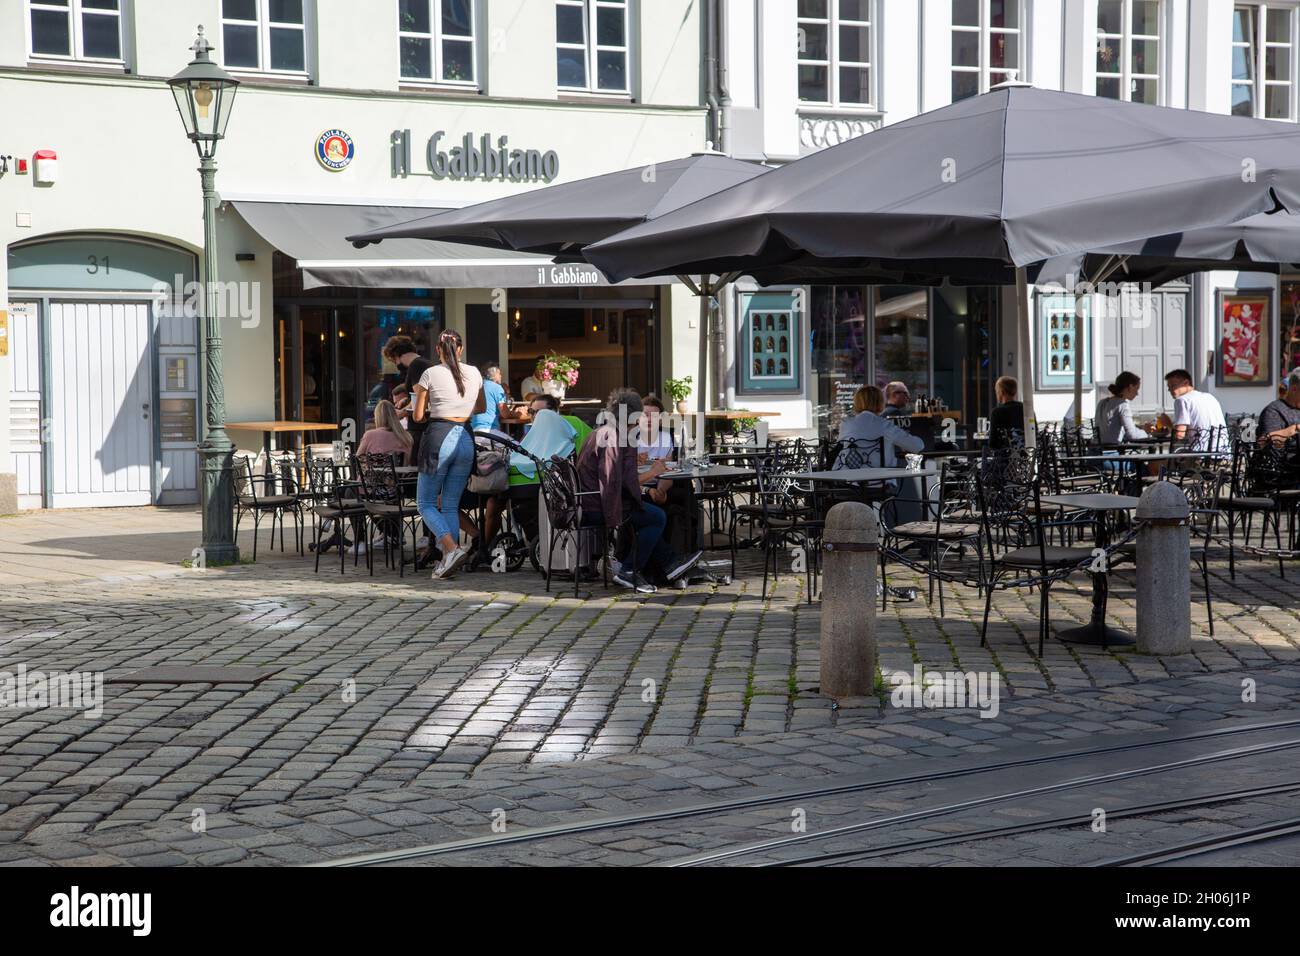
(1245, 338)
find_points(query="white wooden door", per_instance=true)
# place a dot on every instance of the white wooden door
(25, 417)
(101, 413)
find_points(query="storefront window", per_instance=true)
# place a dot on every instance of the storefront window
(901, 338)
(1289, 325)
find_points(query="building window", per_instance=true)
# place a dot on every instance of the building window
(1263, 45)
(835, 44)
(268, 36)
(986, 47)
(1128, 50)
(437, 40)
(592, 45)
(77, 29)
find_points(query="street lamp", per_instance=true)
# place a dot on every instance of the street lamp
(204, 95)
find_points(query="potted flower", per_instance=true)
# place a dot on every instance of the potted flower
(557, 373)
(679, 390)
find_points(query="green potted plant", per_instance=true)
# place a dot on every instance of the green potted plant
(679, 390)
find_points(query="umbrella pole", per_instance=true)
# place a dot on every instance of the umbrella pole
(1024, 361)
(702, 389)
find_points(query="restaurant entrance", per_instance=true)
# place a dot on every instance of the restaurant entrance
(611, 332)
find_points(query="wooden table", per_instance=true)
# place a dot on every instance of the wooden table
(279, 428)
(1096, 631)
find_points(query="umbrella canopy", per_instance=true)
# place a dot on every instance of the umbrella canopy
(1016, 176)
(561, 220)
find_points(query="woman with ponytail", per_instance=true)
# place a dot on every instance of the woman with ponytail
(447, 397)
(1115, 414)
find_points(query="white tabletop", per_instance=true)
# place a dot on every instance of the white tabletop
(855, 475)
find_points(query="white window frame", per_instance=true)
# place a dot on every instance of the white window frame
(591, 49)
(74, 11)
(263, 25)
(435, 38)
(834, 62)
(1261, 46)
(986, 33)
(1126, 36)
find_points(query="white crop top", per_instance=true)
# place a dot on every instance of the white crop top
(444, 400)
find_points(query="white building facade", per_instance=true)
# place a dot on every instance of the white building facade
(861, 64)
(355, 113)
(351, 114)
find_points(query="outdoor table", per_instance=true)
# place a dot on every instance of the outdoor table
(268, 429)
(862, 475)
(1096, 632)
(1141, 456)
(712, 473)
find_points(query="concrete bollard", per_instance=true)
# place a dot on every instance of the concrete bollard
(1164, 571)
(850, 549)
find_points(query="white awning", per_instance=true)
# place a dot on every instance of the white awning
(315, 234)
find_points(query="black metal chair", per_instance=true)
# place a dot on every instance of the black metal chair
(1014, 539)
(1257, 477)
(924, 545)
(389, 508)
(569, 520)
(782, 515)
(263, 494)
(333, 499)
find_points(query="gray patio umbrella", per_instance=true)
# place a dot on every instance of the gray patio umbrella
(1017, 176)
(562, 220)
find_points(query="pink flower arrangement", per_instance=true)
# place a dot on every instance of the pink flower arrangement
(554, 367)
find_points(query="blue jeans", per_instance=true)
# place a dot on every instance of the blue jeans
(649, 524)
(445, 478)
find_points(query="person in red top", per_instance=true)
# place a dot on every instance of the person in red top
(608, 465)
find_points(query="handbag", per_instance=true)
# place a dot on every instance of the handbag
(491, 475)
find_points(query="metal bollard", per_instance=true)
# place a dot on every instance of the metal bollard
(850, 547)
(1164, 571)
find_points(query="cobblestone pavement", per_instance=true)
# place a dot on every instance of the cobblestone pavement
(404, 711)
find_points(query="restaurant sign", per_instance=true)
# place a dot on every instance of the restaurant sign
(475, 158)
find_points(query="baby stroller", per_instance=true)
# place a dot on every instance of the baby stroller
(518, 540)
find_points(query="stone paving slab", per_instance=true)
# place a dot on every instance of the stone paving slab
(406, 686)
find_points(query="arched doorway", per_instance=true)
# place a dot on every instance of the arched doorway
(104, 397)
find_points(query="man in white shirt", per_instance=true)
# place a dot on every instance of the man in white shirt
(1198, 416)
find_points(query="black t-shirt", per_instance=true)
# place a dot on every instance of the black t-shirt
(1007, 425)
(414, 372)
(1277, 416)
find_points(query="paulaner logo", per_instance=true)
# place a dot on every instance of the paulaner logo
(938, 690)
(103, 909)
(34, 690)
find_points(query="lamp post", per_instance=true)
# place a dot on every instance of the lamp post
(204, 95)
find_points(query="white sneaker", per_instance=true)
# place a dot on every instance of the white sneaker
(451, 563)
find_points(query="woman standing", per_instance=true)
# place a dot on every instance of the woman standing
(448, 395)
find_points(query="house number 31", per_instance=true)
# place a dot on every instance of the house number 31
(94, 266)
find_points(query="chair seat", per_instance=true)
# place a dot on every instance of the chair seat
(1073, 481)
(1247, 503)
(1289, 494)
(271, 501)
(333, 512)
(377, 508)
(945, 531)
(1055, 557)
(793, 524)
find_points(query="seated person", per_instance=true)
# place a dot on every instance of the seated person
(897, 398)
(1279, 422)
(388, 437)
(1198, 417)
(550, 402)
(873, 432)
(607, 464)
(498, 408)
(1007, 420)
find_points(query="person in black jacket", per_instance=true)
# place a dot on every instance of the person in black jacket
(1007, 421)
